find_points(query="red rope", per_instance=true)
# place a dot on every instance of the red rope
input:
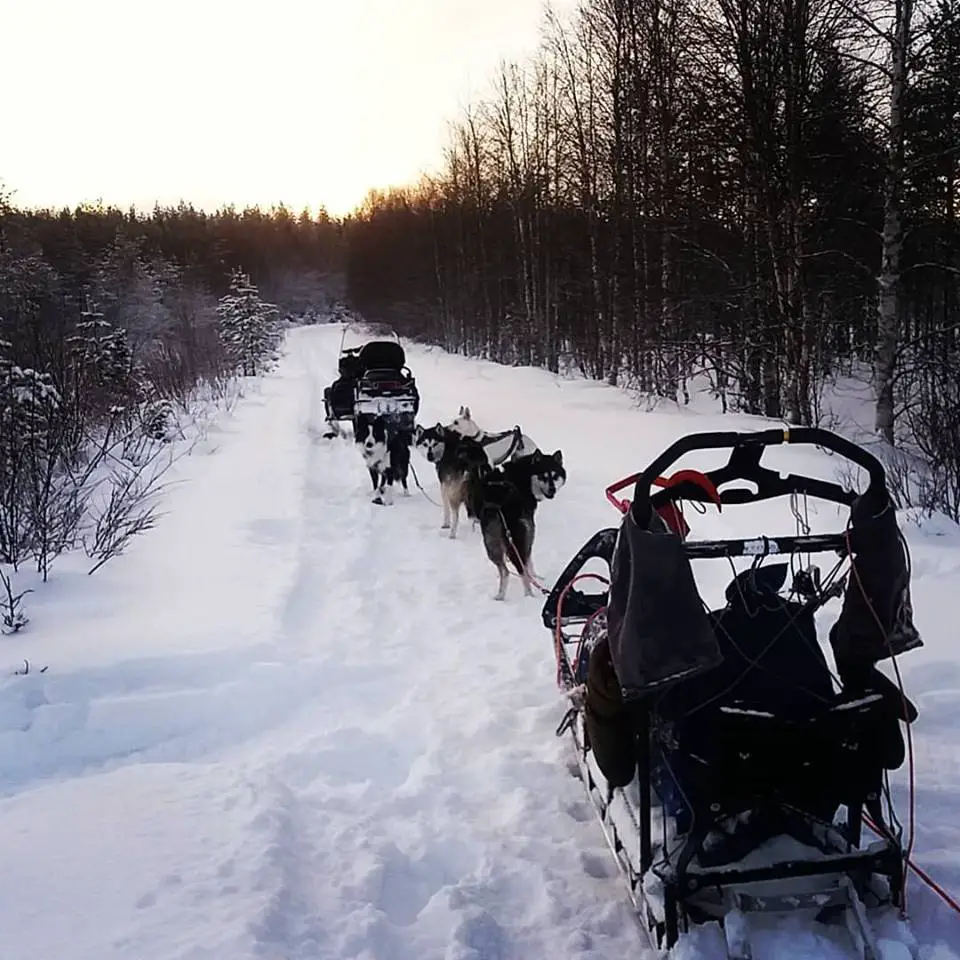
(935, 887)
(700, 479)
(946, 897)
(558, 632)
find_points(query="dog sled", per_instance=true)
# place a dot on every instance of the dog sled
(731, 768)
(373, 380)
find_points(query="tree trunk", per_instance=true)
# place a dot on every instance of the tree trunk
(888, 300)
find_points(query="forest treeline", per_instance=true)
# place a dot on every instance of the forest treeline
(758, 192)
(759, 195)
(118, 330)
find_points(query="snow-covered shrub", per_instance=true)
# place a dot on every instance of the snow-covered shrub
(30, 415)
(929, 385)
(105, 375)
(13, 617)
(158, 420)
(69, 478)
(126, 504)
(249, 327)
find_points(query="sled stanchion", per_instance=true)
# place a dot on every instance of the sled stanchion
(854, 821)
(646, 808)
(671, 918)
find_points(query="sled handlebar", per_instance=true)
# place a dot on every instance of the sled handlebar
(767, 546)
(578, 607)
(744, 463)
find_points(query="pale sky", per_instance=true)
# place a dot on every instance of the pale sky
(303, 101)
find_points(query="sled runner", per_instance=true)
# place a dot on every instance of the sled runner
(373, 380)
(730, 766)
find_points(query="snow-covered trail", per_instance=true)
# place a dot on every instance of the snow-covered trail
(420, 806)
(290, 724)
(322, 738)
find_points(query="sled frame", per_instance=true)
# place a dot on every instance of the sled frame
(847, 874)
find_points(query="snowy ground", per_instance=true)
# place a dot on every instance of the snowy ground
(290, 724)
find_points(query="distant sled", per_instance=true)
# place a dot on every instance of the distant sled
(730, 771)
(373, 381)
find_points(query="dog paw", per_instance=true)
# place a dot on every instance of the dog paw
(445, 526)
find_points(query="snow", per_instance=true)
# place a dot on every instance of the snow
(289, 724)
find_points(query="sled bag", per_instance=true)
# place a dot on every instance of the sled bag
(659, 632)
(876, 621)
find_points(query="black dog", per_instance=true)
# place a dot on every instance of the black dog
(386, 452)
(504, 501)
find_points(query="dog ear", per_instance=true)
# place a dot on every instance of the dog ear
(466, 412)
(558, 456)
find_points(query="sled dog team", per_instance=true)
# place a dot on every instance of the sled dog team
(498, 478)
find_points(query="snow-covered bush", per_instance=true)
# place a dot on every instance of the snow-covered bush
(105, 375)
(68, 478)
(249, 327)
(13, 618)
(114, 353)
(159, 421)
(30, 416)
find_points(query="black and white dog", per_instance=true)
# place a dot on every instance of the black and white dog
(504, 500)
(454, 456)
(500, 447)
(386, 452)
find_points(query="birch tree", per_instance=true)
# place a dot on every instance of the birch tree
(888, 282)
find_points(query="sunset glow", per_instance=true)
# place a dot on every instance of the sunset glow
(308, 104)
